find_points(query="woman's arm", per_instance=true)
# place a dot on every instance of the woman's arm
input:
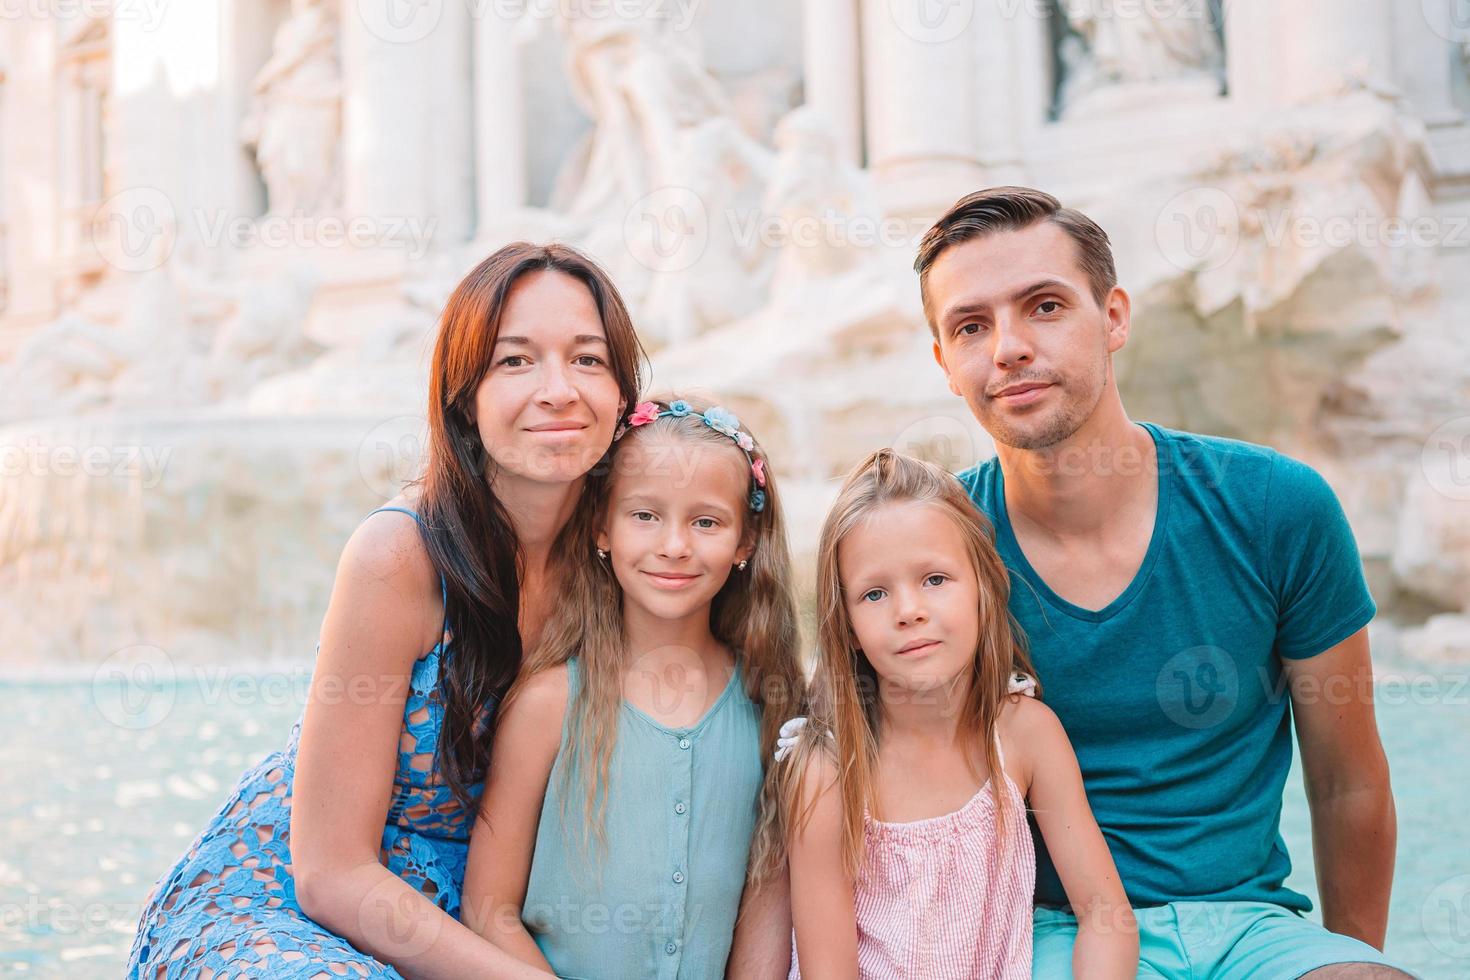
(1107, 934)
(384, 613)
(822, 900)
(504, 839)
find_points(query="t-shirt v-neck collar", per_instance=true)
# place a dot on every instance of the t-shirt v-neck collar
(1011, 552)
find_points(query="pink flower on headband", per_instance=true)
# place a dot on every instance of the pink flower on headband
(758, 467)
(643, 414)
(744, 441)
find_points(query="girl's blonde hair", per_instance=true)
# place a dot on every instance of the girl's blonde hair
(754, 614)
(846, 712)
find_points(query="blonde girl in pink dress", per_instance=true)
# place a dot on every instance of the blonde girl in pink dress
(905, 797)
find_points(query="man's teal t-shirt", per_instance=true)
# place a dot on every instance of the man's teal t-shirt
(1173, 694)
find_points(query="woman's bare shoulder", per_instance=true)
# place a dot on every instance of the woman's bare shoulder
(385, 575)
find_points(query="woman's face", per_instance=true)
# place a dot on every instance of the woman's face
(547, 408)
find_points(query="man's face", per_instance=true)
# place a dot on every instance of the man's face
(1021, 338)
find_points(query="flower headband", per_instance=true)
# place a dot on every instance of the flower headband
(722, 420)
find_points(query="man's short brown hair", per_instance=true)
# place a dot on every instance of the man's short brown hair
(999, 209)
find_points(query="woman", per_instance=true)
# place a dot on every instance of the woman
(344, 854)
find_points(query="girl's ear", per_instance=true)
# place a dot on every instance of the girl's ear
(747, 541)
(602, 541)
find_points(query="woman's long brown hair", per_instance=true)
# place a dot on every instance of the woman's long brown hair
(469, 535)
(846, 710)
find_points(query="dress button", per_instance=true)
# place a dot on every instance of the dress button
(671, 947)
(683, 743)
(679, 808)
(678, 877)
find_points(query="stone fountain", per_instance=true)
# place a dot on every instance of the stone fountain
(190, 440)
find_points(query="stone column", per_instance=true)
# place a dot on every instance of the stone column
(407, 120)
(28, 157)
(921, 102)
(70, 160)
(1013, 85)
(500, 118)
(832, 73)
(1279, 54)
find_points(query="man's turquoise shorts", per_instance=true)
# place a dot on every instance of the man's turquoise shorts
(1214, 940)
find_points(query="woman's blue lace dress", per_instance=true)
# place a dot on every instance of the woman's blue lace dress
(228, 907)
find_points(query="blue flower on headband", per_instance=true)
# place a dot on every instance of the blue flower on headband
(680, 408)
(757, 500)
(722, 420)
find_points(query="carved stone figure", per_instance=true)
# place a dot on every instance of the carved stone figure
(642, 83)
(826, 207)
(1140, 45)
(295, 122)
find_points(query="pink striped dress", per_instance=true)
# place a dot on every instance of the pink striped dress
(938, 900)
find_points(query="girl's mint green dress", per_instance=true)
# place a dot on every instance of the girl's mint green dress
(660, 901)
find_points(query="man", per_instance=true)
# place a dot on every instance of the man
(1177, 593)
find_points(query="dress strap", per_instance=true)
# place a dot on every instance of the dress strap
(443, 586)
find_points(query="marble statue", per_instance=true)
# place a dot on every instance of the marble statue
(642, 83)
(295, 120)
(663, 127)
(1108, 48)
(65, 366)
(825, 207)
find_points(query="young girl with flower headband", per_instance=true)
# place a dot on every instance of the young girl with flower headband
(624, 788)
(904, 799)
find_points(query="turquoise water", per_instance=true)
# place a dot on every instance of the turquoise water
(102, 795)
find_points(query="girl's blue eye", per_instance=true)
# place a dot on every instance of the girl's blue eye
(931, 578)
(868, 596)
(639, 515)
(705, 523)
